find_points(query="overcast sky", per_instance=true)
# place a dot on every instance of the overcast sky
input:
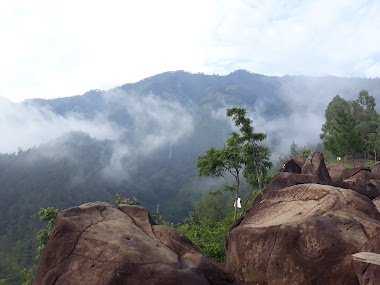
(63, 48)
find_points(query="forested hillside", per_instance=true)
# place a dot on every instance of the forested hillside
(143, 140)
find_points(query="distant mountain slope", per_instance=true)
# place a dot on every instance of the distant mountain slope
(277, 104)
(213, 91)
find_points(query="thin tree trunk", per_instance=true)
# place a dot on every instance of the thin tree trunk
(236, 198)
(257, 173)
(237, 194)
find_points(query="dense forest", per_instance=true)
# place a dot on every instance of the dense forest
(144, 139)
(352, 127)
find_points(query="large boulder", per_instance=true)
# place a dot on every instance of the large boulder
(101, 244)
(294, 164)
(286, 179)
(370, 189)
(291, 166)
(313, 170)
(357, 172)
(315, 165)
(339, 172)
(300, 160)
(361, 180)
(303, 234)
(336, 171)
(353, 175)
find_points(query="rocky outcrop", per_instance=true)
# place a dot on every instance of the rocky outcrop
(101, 244)
(370, 189)
(315, 166)
(306, 224)
(362, 180)
(293, 172)
(303, 234)
(286, 179)
(300, 160)
(292, 166)
(336, 171)
(355, 173)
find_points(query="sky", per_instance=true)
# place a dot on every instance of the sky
(55, 49)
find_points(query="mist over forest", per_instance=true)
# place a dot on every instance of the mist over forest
(143, 140)
(147, 109)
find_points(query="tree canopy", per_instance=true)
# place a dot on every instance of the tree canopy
(240, 155)
(351, 126)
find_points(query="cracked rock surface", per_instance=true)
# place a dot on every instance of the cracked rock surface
(101, 244)
(302, 234)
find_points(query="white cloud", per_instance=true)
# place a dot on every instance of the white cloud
(299, 37)
(155, 122)
(27, 126)
(50, 49)
(53, 49)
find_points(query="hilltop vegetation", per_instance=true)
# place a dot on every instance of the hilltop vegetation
(352, 128)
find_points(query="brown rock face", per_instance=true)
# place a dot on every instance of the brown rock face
(101, 244)
(313, 170)
(286, 179)
(335, 170)
(369, 189)
(315, 165)
(300, 160)
(303, 234)
(356, 173)
(361, 180)
(291, 166)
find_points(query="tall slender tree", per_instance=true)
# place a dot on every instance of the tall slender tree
(241, 155)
